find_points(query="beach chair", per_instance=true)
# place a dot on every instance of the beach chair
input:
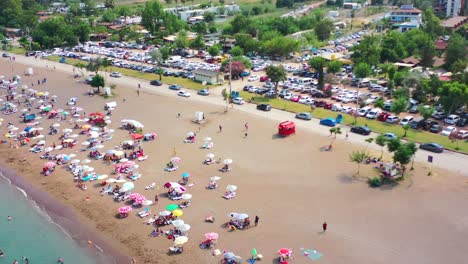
(229, 195)
(142, 158)
(135, 177)
(208, 145)
(144, 213)
(175, 198)
(151, 186)
(150, 221)
(107, 189)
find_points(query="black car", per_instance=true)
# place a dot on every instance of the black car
(264, 107)
(434, 147)
(461, 122)
(247, 87)
(6, 55)
(436, 128)
(428, 124)
(363, 130)
(156, 82)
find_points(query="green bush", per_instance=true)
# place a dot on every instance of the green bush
(375, 182)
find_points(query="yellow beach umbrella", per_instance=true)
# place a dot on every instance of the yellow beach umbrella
(177, 213)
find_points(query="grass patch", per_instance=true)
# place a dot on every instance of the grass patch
(17, 50)
(185, 83)
(374, 125)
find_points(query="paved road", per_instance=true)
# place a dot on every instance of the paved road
(448, 160)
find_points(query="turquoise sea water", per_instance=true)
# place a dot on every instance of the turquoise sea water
(32, 233)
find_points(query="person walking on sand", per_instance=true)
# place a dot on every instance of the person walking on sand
(138, 92)
(178, 115)
(220, 128)
(174, 152)
(156, 199)
(347, 135)
(246, 126)
(133, 261)
(324, 226)
(256, 220)
(139, 86)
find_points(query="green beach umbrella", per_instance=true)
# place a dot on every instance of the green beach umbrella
(172, 207)
(254, 252)
(47, 109)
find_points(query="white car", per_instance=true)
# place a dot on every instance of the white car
(304, 100)
(183, 93)
(451, 119)
(449, 130)
(372, 99)
(253, 78)
(238, 100)
(406, 120)
(462, 134)
(116, 75)
(392, 119)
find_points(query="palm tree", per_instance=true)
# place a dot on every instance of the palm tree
(334, 131)
(358, 157)
(381, 141)
(405, 128)
(369, 140)
(157, 56)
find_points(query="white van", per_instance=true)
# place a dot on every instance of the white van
(306, 81)
(373, 113)
(363, 111)
(174, 59)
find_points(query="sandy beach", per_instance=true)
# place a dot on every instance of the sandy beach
(288, 182)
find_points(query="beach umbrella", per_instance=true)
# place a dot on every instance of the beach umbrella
(207, 139)
(215, 178)
(48, 149)
(228, 161)
(164, 213)
(90, 169)
(172, 207)
(178, 223)
(177, 213)
(212, 236)
(190, 134)
(175, 159)
(14, 128)
(56, 125)
(67, 130)
(93, 134)
(41, 142)
(85, 143)
(229, 255)
(184, 228)
(123, 160)
(186, 196)
(95, 129)
(241, 216)
(86, 127)
(40, 128)
(111, 151)
(180, 240)
(102, 177)
(231, 188)
(72, 155)
(58, 147)
(85, 161)
(210, 155)
(147, 202)
(120, 181)
(74, 136)
(125, 209)
(119, 153)
(171, 184)
(66, 158)
(185, 174)
(285, 251)
(129, 186)
(180, 189)
(65, 113)
(75, 161)
(112, 180)
(49, 164)
(99, 146)
(107, 121)
(24, 110)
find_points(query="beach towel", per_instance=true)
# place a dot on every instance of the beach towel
(312, 254)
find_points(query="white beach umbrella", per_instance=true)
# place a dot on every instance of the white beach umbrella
(56, 125)
(85, 143)
(178, 223)
(99, 146)
(107, 121)
(228, 161)
(75, 161)
(210, 155)
(112, 180)
(102, 177)
(231, 188)
(40, 128)
(24, 110)
(90, 169)
(120, 181)
(123, 160)
(215, 178)
(190, 134)
(48, 149)
(67, 130)
(164, 213)
(85, 161)
(14, 129)
(184, 228)
(72, 155)
(208, 139)
(148, 202)
(93, 134)
(58, 147)
(41, 142)
(186, 196)
(74, 136)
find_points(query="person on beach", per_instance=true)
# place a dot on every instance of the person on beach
(324, 226)
(25, 260)
(139, 86)
(246, 126)
(256, 220)
(133, 261)
(156, 199)
(178, 115)
(138, 92)
(220, 128)
(347, 135)
(1, 253)
(174, 152)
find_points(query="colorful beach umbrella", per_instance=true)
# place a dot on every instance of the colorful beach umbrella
(185, 174)
(177, 213)
(180, 240)
(212, 236)
(172, 207)
(125, 209)
(285, 251)
(129, 186)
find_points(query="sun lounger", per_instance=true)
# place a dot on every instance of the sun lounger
(171, 169)
(144, 213)
(150, 221)
(135, 177)
(107, 189)
(143, 158)
(151, 186)
(230, 195)
(208, 145)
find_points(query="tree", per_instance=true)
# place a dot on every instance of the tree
(165, 53)
(10, 12)
(362, 70)
(276, 74)
(403, 156)
(97, 64)
(426, 112)
(318, 63)
(237, 68)
(156, 55)
(334, 66)
(368, 51)
(455, 50)
(214, 50)
(381, 141)
(323, 29)
(97, 82)
(358, 157)
(393, 145)
(413, 149)
(159, 22)
(431, 24)
(237, 51)
(181, 40)
(427, 53)
(208, 17)
(82, 31)
(459, 66)
(109, 4)
(334, 131)
(54, 32)
(400, 105)
(280, 46)
(453, 96)
(405, 128)
(198, 43)
(80, 66)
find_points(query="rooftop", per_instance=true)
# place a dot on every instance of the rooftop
(206, 72)
(454, 22)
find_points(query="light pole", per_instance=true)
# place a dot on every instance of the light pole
(228, 97)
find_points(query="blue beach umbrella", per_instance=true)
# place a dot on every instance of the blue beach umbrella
(66, 158)
(185, 174)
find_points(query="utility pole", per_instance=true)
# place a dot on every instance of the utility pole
(228, 99)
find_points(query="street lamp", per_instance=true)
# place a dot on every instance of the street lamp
(228, 98)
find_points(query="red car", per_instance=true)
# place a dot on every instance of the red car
(264, 78)
(383, 116)
(295, 98)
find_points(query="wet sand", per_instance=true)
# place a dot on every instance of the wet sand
(288, 182)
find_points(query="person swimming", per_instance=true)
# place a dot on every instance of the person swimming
(1, 253)
(60, 260)
(9, 218)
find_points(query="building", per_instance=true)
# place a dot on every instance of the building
(352, 6)
(128, 20)
(406, 18)
(208, 77)
(185, 15)
(454, 23)
(453, 7)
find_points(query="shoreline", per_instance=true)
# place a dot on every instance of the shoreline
(65, 219)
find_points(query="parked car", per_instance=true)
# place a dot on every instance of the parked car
(406, 120)
(417, 123)
(116, 75)
(435, 128)
(331, 122)
(428, 124)
(448, 130)
(433, 147)
(462, 134)
(238, 100)
(183, 93)
(392, 119)
(264, 107)
(363, 130)
(203, 92)
(174, 87)
(461, 122)
(253, 78)
(451, 119)
(390, 136)
(156, 82)
(304, 116)
(373, 113)
(413, 109)
(264, 78)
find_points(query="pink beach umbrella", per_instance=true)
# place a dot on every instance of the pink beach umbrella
(175, 159)
(133, 196)
(125, 209)
(49, 164)
(211, 236)
(139, 200)
(285, 251)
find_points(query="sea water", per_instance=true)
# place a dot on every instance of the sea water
(32, 233)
